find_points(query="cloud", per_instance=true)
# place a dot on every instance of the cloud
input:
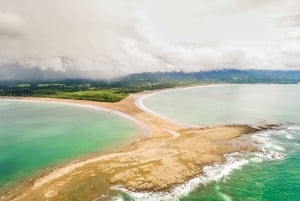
(11, 25)
(289, 21)
(101, 38)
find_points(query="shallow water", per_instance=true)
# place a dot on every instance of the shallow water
(273, 174)
(38, 135)
(211, 105)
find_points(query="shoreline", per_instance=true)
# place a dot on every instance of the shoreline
(169, 149)
(140, 125)
(140, 105)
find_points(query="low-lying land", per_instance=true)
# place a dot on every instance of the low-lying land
(117, 89)
(170, 156)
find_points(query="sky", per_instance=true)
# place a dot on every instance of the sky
(109, 38)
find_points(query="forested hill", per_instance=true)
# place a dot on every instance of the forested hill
(219, 76)
(119, 88)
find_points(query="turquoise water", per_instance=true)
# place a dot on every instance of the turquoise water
(34, 136)
(272, 175)
(229, 104)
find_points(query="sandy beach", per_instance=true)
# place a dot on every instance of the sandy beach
(171, 154)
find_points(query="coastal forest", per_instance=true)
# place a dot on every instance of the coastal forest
(116, 89)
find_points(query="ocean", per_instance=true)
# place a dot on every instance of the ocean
(270, 175)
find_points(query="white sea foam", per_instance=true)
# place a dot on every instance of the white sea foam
(118, 199)
(289, 136)
(224, 196)
(294, 127)
(271, 148)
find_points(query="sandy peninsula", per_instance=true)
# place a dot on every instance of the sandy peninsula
(170, 155)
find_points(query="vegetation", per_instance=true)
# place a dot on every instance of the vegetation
(117, 89)
(97, 95)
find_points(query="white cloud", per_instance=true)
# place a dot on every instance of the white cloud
(109, 38)
(11, 25)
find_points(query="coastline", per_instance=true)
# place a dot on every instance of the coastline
(143, 127)
(139, 103)
(152, 164)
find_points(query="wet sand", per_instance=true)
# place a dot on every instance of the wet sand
(170, 155)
